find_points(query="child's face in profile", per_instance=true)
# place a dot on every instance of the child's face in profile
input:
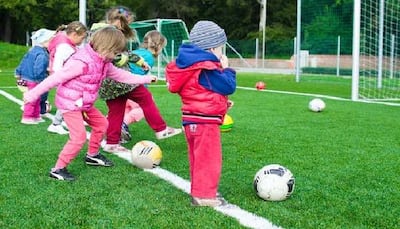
(109, 56)
(217, 51)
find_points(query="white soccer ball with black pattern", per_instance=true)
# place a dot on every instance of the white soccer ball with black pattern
(146, 154)
(274, 182)
(316, 105)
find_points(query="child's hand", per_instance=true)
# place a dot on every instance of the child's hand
(224, 61)
(230, 104)
(145, 66)
(154, 78)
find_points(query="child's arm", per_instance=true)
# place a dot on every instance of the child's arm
(70, 70)
(124, 76)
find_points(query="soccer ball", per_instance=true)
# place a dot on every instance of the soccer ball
(316, 105)
(146, 154)
(260, 85)
(274, 182)
(227, 124)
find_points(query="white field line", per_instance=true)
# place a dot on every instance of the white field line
(244, 217)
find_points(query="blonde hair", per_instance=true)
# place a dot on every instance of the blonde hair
(108, 40)
(154, 41)
(123, 14)
(75, 26)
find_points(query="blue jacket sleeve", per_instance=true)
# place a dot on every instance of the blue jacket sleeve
(40, 67)
(222, 82)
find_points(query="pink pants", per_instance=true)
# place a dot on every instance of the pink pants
(133, 112)
(32, 110)
(205, 158)
(77, 134)
(116, 109)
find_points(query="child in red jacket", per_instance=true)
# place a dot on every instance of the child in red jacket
(202, 78)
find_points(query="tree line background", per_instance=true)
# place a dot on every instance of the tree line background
(239, 18)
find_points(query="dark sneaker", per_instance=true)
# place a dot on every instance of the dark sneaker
(125, 133)
(98, 160)
(62, 174)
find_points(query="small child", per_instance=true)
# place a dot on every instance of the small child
(32, 70)
(61, 47)
(202, 78)
(78, 83)
(151, 47)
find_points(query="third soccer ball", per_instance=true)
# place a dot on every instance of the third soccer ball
(316, 105)
(274, 182)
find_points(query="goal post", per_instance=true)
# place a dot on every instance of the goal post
(174, 30)
(376, 41)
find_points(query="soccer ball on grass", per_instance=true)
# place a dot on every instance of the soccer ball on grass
(146, 154)
(316, 105)
(260, 85)
(274, 182)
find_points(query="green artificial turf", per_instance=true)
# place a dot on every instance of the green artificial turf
(345, 161)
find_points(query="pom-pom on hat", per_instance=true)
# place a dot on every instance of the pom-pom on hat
(207, 34)
(42, 35)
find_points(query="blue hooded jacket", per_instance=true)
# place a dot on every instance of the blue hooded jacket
(221, 82)
(34, 64)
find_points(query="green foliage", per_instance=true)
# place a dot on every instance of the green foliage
(11, 55)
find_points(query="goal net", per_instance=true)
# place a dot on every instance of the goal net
(376, 69)
(174, 30)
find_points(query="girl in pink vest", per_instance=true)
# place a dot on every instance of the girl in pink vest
(61, 47)
(78, 83)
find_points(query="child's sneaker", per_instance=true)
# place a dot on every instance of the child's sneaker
(203, 202)
(29, 121)
(62, 174)
(98, 160)
(115, 148)
(125, 133)
(39, 120)
(168, 132)
(57, 129)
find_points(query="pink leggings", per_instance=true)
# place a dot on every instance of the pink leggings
(77, 134)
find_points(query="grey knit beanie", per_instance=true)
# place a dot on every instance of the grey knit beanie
(207, 34)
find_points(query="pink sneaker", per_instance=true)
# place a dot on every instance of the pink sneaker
(115, 148)
(168, 132)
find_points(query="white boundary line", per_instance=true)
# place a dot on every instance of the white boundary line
(244, 217)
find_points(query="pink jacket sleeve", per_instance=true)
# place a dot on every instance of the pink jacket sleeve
(124, 76)
(70, 70)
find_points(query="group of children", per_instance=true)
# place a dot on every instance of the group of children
(200, 75)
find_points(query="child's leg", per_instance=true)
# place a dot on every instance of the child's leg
(43, 105)
(57, 119)
(31, 110)
(77, 138)
(144, 98)
(115, 116)
(98, 123)
(133, 112)
(205, 159)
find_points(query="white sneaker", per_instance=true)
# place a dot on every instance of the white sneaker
(57, 129)
(168, 132)
(115, 148)
(29, 121)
